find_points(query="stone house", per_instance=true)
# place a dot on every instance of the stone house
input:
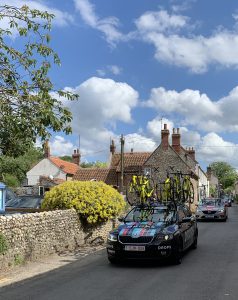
(213, 182)
(164, 158)
(51, 171)
(203, 184)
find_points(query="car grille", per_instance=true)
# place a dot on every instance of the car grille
(139, 240)
(210, 212)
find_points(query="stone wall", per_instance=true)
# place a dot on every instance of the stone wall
(35, 235)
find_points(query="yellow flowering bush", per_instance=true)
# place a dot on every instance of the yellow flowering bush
(94, 201)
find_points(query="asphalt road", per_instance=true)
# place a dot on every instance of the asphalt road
(209, 272)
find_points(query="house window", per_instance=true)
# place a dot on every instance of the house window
(41, 190)
(147, 171)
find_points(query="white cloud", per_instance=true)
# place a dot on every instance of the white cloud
(214, 148)
(110, 69)
(101, 72)
(61, 18)
(115, 69)
(189, 138)
(160, 21)
(194, 108)
(102, 103)
(154, 127)
(59, 146)
(139, 143)
(195, 52)
(108, 26)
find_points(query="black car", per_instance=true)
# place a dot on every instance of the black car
(153, 232)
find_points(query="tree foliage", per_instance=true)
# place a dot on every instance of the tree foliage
(95, 164)
(30, 106)
(13, 170)
(67, 158)
(95, 201)
(226, 174)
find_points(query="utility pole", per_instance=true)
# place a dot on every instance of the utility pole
(122, 140)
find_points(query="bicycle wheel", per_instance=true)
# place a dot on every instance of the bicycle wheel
(188, 191)
(132, 195)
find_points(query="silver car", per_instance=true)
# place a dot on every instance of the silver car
(211, 209)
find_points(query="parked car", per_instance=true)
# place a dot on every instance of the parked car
(11, 198)
(212, 209)
(27, 201)
(153, 232)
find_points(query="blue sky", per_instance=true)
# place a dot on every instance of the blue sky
(136, 62)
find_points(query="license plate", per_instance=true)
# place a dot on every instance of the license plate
(134, 248)
(209, 217)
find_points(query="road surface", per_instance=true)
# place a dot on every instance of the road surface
(207, 273)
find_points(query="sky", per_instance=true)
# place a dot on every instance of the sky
(138, 64)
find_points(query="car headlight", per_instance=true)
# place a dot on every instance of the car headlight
(221, 210)
(165, 237)
(112, 237)
(168, 237)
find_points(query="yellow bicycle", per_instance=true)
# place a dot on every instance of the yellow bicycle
(139, 190)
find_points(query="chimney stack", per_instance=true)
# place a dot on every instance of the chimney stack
(112, 147)
(191, 153)
(176, 138)
(46, 149)
(76, 157)
(165, 137)
(209, 172)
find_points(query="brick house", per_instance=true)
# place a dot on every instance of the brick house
(157, 162)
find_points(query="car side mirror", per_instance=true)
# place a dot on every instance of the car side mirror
(186, 219)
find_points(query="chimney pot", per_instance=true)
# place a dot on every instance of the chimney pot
(76, 157)
(176, 137)
(112, 147)
(165, 138)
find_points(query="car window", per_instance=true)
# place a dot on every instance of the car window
(149, 215)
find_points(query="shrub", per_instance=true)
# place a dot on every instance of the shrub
(94, 201)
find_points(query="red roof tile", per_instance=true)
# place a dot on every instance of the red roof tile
(131, 160)
(99, 174)
(65, 166)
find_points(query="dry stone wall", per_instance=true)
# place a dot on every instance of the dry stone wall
(34, 235)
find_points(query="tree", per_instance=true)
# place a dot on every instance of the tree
(30, 106)
(226, 174)
(13, 170)
(66, 158)
(95, 164)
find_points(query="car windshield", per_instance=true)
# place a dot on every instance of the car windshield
(212, 202)
(155, 215)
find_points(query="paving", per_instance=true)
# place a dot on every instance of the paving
(46, 264)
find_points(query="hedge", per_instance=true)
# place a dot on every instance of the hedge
(95, 201)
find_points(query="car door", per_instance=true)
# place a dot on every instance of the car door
(182, 225)
(190, 228)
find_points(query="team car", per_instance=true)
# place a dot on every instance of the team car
(212, 209)
(153, 232)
